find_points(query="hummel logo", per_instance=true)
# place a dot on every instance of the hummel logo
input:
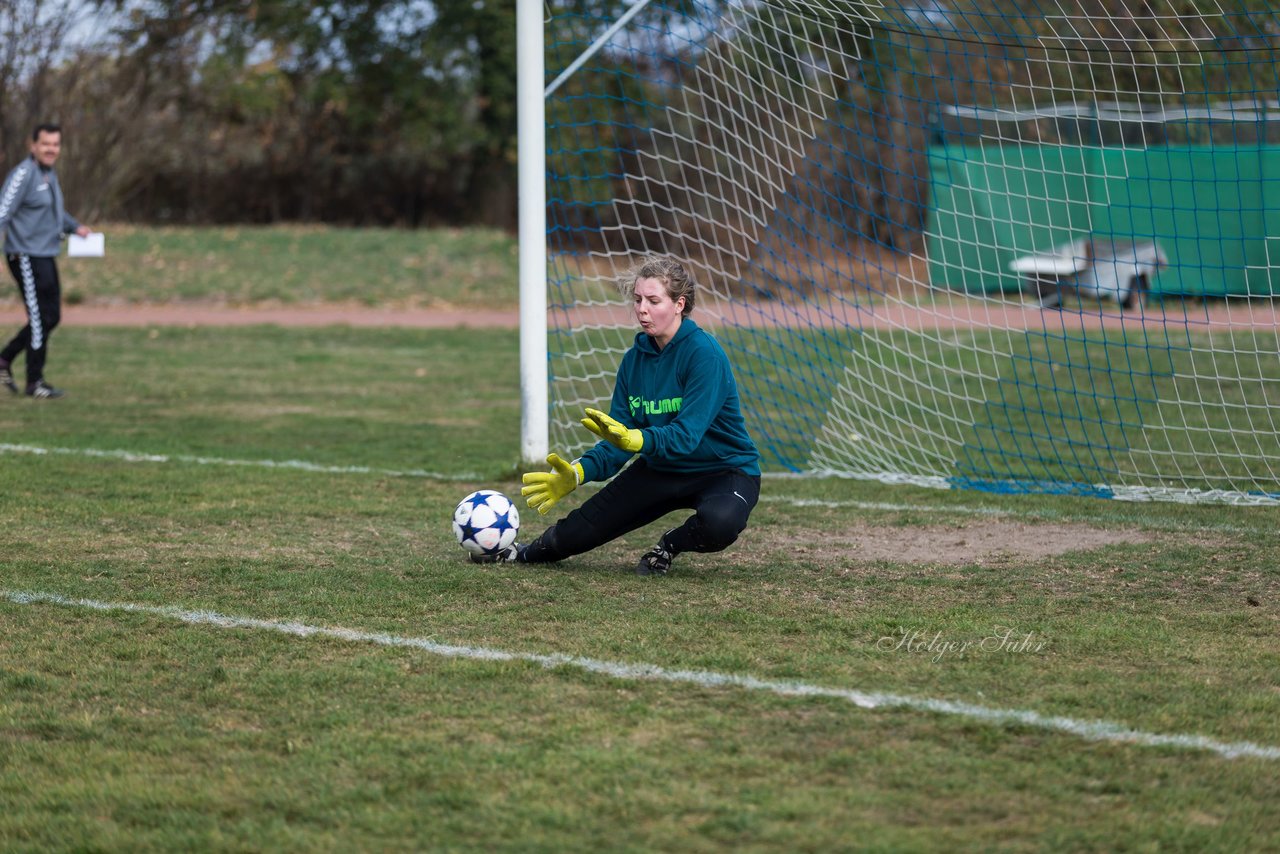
(12, 190)
(654, 407)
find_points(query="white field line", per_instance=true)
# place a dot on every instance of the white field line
(473, 477)
(1091, 730)
(300, 465)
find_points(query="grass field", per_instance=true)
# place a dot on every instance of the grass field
(168, 565)
(244, 265)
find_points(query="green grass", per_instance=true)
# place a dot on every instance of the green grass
(336, 396)
(136, 731)
(297, 264)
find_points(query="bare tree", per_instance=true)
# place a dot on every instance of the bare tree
(35, 37)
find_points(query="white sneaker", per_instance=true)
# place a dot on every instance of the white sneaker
(656, 561)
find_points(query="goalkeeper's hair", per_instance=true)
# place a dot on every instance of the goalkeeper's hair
(673, 275)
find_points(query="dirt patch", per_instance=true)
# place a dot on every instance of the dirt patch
(938, 312)
(985, 541)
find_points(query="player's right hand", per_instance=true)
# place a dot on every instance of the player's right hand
(543, 489)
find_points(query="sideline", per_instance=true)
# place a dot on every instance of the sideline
(194, 315)
(1090, 730)
(475, 477)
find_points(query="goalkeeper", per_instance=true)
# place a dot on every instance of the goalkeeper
(675, 415)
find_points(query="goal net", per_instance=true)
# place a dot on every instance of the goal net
(1020, 247)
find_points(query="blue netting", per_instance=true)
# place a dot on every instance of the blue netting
(943, 243)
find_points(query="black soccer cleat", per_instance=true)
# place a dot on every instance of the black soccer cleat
(656, 561)
(43, 391)
(510, 554)
(6, 380)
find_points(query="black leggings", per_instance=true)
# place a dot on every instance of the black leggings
(722, 501)
(37, 279)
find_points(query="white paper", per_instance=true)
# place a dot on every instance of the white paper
(93, 246)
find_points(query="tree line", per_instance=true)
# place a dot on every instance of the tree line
(205, 111)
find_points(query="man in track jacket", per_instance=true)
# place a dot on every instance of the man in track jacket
(34, 220)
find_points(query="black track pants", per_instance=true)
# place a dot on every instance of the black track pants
(722, 501)
(41, 292)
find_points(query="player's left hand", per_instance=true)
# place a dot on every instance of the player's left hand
(613, 431)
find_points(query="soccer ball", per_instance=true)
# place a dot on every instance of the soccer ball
(486, 522)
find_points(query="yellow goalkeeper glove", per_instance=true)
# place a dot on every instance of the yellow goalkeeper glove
(543, 489)
(613, 431)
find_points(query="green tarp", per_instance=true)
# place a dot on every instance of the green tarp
(1215, 211)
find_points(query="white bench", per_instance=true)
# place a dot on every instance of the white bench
(1120, 270)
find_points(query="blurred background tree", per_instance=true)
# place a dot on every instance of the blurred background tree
(402, 112)
(365, 112)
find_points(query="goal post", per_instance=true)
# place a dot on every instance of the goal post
(946, 244)
(532, 189)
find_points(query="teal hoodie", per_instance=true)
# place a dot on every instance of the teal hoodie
(684, 400)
